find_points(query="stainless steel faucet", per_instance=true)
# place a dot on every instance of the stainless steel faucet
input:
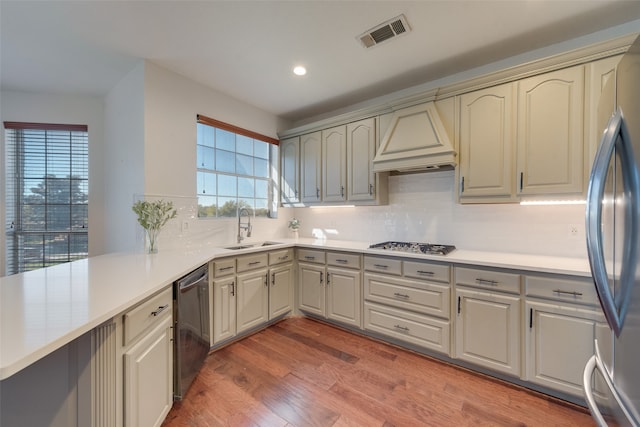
(246, 226)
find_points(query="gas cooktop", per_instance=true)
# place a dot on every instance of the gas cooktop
(412, 247)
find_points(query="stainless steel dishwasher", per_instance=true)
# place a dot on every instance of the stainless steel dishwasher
(191, 334)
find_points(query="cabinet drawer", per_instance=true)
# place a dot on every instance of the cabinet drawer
(488, 279)
(427, 271)
(413, 328)
(251, 262)
(224, 267)
(147, 314)
(427, 298)
(342, 259)
(311, 255)
(282, 256)
(572, 289)
(383, 265)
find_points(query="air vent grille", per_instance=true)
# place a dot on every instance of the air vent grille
(385, 31)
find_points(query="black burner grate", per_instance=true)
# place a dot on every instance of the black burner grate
(413, 247)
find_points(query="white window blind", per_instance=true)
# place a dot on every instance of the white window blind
(47, 194)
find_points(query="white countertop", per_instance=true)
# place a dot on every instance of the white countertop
(43, 310)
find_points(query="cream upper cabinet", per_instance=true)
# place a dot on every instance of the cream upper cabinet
(311, 167)
(361, 148)
(599, 73)
(290, 171)
(550, 133)
(334, 164)
(486, 141)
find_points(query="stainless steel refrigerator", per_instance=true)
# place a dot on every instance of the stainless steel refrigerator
(612, 375)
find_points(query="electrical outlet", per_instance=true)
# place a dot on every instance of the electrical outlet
(574, 230)
(185, 225)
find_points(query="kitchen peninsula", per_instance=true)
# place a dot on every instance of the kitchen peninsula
(82, 295)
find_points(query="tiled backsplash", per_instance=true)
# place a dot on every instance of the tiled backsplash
(421, 207)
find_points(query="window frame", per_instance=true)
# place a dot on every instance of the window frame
(69, 235)
(272, 169)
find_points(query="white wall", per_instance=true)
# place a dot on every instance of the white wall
(422, 208)
(124, 158)
(68, 109)
(171, 104)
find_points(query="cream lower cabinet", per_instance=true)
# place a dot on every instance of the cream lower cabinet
(281, 282)
(252, 299)
(252, 291)
(224, 309)
(344, 288)
(563, 320)
(409, 301)
(222, 299)
(147, 361)
(488, 319)
(329, 291)
(148, 373)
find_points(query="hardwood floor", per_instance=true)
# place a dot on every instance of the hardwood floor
(301, 372)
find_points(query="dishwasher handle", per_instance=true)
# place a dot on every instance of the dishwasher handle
(188, 282)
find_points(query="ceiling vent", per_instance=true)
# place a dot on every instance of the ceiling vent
(385, 31)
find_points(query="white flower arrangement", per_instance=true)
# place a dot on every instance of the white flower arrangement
(152, 216)
(294, 224)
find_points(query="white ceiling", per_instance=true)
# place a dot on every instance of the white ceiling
(247, 49)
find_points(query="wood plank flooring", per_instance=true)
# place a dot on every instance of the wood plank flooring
(301, 372)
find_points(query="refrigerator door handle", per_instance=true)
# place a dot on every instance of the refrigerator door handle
(615, 136)
(593, 364)
(587, 375)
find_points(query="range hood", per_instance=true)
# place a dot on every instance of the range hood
(415, 140)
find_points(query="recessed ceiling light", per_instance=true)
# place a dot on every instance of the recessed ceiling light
(299, 70)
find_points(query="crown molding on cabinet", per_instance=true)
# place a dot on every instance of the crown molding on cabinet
(567, 59)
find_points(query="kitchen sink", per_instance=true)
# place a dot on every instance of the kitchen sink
(237, 247)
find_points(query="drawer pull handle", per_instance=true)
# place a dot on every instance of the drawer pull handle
(428, 273)
(254, 263)
(342, 261)
(160, 310)
(402, 328)
(572, 293)
(226, 268)
(380, 266)
(282, 258)
(309, 257)
(486, 282)
(399, 295)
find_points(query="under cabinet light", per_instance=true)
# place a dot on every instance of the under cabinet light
(332, 206)
(553, 202)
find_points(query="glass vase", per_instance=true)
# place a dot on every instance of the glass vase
(152, 240)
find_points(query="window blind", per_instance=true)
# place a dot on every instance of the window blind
(46, 195)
